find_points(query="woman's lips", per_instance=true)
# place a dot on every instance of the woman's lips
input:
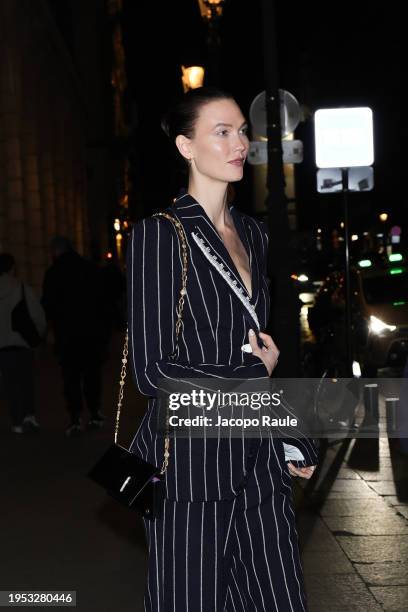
(237, 162)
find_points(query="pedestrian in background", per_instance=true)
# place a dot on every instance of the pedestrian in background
(16, 353)
(73, 299)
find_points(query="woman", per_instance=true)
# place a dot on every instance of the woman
(227, 537)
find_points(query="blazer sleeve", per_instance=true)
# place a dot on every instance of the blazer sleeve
(154, 282)
(299, 449)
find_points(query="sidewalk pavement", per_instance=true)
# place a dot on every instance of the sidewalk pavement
(60, 531)
(353, 529)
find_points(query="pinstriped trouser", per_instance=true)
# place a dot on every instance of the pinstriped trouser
(233, 555)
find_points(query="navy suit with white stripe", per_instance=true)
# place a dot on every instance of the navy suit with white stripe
(227, 539)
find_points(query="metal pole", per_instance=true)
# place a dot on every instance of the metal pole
(371, 409)
(347, 288)
(391, 413)
(285, 302)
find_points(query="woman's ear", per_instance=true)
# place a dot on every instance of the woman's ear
(184, 146)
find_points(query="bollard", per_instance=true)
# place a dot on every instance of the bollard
(391, 413)
(372, 414)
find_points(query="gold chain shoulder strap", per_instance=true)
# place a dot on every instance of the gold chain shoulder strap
(179, 311)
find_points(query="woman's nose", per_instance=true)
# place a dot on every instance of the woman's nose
(241, 145)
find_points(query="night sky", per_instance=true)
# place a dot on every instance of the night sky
(347, 54)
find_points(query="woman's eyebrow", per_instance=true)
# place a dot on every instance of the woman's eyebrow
(245, 123)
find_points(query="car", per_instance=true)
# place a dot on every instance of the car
(379, 292)
(381, 317)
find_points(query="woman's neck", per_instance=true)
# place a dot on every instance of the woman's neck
(213, 198)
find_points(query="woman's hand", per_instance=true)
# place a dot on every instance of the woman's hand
(303, 472)
(269, 353)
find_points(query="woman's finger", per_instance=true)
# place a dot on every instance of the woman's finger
(303, 472)
(269, 343)
(253, 341)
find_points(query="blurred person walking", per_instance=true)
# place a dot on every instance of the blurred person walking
(19, 306)
(73, 299)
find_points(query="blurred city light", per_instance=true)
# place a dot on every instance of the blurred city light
(377, 326)
(192, 77)
(395, 257)
(344, 137)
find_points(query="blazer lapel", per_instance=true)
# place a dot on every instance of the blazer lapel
(202, 232)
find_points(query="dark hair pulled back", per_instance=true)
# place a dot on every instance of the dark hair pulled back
(183, 113)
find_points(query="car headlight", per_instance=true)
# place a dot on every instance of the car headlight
(377, 326)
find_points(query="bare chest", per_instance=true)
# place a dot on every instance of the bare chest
(240, 258)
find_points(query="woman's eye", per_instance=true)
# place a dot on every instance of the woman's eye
(225, 132)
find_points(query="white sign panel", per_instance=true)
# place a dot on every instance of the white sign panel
(361, 179)
(344, 137)
(258, 152)
(329, 180)
(292, 152)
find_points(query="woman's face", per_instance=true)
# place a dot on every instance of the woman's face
(220, 143)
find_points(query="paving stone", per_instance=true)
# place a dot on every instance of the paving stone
(349, 474)
(402, 510)
(385, 487)
(316, 607)
(353, 507)
(384, 473)
(349, 494)
(383, 573)
(371, 549)
(353, 486)
(315, 535)
(341, 592)
(394, 500)
(371, 524)
(392, 598)
(332, 562)
(385, 462)
(374, 607)
(401, 477)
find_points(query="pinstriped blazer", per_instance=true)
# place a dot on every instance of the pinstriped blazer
(218, 313)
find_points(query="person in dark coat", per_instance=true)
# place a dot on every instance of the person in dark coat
(73, 300)
(226, 539)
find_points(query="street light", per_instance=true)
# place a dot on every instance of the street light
(192, 77)
(211, 9)
(211, 12)
(383, 217)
